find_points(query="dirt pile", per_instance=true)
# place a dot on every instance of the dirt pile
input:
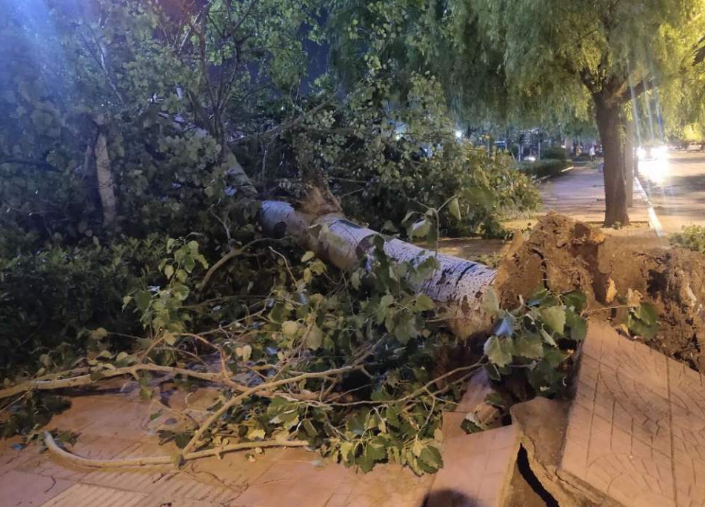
(561, 255)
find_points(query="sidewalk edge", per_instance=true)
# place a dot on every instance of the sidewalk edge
(654, 222)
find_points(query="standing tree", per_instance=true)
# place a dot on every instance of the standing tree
(521, 58)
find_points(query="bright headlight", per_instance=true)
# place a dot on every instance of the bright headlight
(660, 152)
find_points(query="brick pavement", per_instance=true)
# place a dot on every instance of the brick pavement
(636, 430)
(115, 426)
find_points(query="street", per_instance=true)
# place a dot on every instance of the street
(676, 188)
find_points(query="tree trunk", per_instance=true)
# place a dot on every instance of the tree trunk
(106, 187)
(629, 160)
(607, 114)
(458, 285)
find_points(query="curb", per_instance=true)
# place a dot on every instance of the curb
(654, 222)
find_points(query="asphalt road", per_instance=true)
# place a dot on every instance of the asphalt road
(676, 188)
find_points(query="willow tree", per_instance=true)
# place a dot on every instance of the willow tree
(597, 55)
(519, 59)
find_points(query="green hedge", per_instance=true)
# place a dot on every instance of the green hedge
(546, 167)
(555, 152)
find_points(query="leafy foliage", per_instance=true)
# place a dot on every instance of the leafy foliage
(35, 411)
(691, 237)
(531, 347)
(190, 102)
(388, 154)
(641, 319)
(555, 152)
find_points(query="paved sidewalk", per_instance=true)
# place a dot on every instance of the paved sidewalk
(476, 470)
(580, 194)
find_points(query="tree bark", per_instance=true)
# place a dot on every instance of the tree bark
(458, 285)
(106, 187)
(629, 160)
(607, 115)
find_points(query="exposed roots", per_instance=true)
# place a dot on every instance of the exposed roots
(561, 255)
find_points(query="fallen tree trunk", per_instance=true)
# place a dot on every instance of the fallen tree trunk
(458, 285)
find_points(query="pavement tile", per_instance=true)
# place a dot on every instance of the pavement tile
(12, 454)
(295, 484)
(161, 481)
(234, 470)
(476, 470)
(84, 495)
(385, 486)
(20, 489)
(644, 417)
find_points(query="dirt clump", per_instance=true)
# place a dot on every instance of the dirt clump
(561, 255)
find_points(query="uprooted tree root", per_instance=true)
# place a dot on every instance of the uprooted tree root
(561, 254)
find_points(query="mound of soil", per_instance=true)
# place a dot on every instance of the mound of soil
(562, 255)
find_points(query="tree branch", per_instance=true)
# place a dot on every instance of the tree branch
(162, 460)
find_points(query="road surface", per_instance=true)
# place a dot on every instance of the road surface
(676, 188)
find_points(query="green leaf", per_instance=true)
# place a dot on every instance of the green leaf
(420, 229)
(554, 317)
(575, 299)
(182, 439)
(180, 291)
(431, 457)
(142, 300)
(529, 346)
(308, 256)
(405, 328)
(454, 208)
(290, 328)
(424, 303)
(314, 338)
(547, 337)
(310, 428)
(499, 350)
(387, 300)
(577, 325)
(646, 312)
(639, 328)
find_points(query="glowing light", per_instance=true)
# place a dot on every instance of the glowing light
(656, 168)
(458, 134)
(641, 153)
(531, 158)
(660, 152)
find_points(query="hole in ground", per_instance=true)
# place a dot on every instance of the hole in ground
(532, 480)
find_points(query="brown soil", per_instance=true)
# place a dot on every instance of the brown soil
(562, 255)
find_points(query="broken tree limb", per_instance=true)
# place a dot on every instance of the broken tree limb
(72, 381)
(162, 460)
(458, 284)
